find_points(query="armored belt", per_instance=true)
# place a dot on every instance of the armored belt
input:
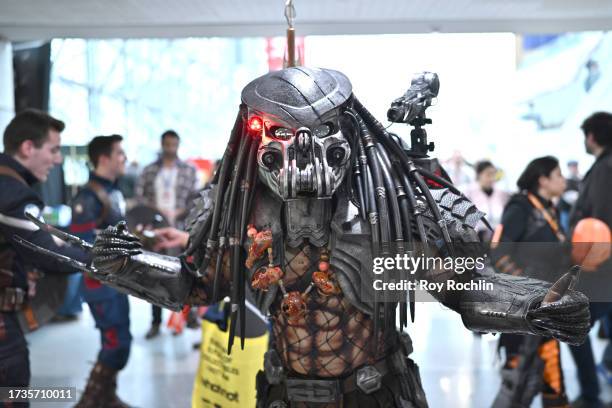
(367, 379)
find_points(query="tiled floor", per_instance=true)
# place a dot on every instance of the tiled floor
(458, 369)
(160, 371)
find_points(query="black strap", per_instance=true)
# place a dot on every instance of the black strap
(102, 195)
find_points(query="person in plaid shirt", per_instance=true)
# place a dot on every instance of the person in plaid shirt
(169, 185)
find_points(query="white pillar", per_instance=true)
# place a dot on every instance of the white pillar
(7, 87)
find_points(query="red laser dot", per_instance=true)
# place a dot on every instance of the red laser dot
(255, 124)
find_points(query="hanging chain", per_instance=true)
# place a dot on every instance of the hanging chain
(289, 13)
(290, 16)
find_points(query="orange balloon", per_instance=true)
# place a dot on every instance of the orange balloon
(591, 243)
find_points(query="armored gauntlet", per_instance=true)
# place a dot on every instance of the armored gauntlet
(120, 262)
(514, 305)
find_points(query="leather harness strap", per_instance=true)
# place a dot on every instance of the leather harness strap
(102, 195)
(7, 171)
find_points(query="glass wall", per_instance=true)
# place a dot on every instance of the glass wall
(503, 97)
(139, 88)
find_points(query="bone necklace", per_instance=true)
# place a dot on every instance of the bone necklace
(293, 305)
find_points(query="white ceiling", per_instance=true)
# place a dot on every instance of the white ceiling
(44, 19)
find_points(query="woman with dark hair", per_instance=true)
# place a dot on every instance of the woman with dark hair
(532, 363)
(530, 215)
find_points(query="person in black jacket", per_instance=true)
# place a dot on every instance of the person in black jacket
(595, 192)
(31, 149)
(595, 201)
(533, 363)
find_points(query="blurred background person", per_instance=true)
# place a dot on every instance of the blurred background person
(100, 204)
(532, 364)
(573, 177)
(595, 201)
(458, 170)
(487, 197)
(73, 303)
(169, 185)
(127, 183)
(569, 197)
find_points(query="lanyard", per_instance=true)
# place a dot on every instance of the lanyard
(549, 218)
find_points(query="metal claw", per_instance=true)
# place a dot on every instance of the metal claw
(61, 258)
(60, 234)
(562, 285)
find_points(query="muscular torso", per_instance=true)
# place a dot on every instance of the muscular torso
(333, 337)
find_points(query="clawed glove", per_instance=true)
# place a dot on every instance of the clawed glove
(515, 306)
(567, 319)
(113, 246)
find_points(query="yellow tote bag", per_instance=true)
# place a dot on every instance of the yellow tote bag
(224, 381)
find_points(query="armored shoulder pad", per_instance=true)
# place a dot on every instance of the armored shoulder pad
(459, 214)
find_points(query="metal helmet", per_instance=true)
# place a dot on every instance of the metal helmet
(303, 152)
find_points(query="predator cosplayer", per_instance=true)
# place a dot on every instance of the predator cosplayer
(310, 189)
